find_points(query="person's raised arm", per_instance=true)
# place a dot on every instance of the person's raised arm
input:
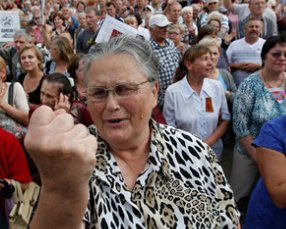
(65, 156)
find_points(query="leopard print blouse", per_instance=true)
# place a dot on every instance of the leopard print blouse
(182, 186)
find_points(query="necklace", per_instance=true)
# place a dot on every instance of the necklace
(2, 90)
(270, 85)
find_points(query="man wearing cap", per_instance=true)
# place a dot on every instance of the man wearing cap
(255, 9)
(165, 50)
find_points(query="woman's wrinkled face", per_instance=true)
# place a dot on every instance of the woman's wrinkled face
(275, 59)
(120, 120)
(175, 35)
(29, 60)
(49, 94)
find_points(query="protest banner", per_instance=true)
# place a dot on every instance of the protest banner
(9, 24)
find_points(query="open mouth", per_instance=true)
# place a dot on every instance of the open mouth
(115, 120)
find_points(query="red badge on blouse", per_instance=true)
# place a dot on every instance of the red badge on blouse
(209, 105)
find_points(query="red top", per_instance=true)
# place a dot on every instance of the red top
(13, 163)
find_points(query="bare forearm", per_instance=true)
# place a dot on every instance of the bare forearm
(235, 67)
(217, 134)
(246, 143)
(60, 212)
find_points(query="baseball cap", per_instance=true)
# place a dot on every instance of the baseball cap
(211, 1)
(159, 20)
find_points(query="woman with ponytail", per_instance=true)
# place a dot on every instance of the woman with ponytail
(196, 103)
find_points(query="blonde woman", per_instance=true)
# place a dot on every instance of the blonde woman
(31, 62)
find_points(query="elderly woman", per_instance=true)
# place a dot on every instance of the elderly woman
(211, 31)
(175, 33)
(267, 207)
(222, 75)
(137, 173)
(187, 14)
(196, 103)
(260, 97)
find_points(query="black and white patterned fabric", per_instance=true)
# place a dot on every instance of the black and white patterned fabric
(182, 186)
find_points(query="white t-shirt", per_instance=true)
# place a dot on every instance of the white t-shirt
(240, 51)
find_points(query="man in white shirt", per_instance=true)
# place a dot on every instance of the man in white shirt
(244, 54)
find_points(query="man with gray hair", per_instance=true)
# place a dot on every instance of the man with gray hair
(255, 9)
(11, 54)
(87, 38)
(166, 51)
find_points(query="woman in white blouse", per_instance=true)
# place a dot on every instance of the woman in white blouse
(195, 103)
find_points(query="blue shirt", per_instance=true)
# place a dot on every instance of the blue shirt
(262, 213)
(253, 105)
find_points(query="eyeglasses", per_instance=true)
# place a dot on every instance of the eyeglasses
(121, 91)
(277, 55)
(174, 33)
(212, 3)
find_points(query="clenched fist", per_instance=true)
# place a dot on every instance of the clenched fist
(63, 152)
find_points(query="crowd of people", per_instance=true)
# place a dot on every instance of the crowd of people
(131, 132)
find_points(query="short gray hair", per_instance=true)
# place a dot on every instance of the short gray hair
(23, 33)
(136, 48)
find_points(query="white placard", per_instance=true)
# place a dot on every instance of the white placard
(9, 23)
(112, 27)
(43, 21)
